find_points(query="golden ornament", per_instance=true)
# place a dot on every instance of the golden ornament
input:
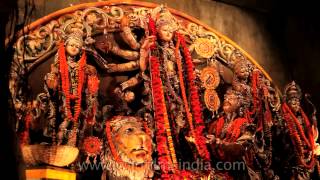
(211, 99)
(204, 47)
(210, 77)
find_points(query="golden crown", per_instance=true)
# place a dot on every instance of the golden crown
(292, 90)
(76, 34)
(164, 17)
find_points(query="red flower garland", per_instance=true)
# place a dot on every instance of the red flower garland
(293, 123)
(112, 147)
(163, 128)
(195, 102)
(233, 132)
(66, 84)
(166, 156)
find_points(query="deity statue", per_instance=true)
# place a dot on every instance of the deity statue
(242, 71)
(128, 149)
(72, 87)
(166, 27)
(297, 138)
(232, 137)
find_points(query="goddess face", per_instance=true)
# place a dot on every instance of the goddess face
(73, 47)
(230, 103)
(294, 104)
(133, 143)
(165, 33)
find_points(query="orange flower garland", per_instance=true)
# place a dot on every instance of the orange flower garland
(293, 124)
(184, 95)
(164, 138)
(195, 102)
(166, 156)
(66, 83)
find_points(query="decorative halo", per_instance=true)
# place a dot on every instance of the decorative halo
(211, 100)
(92, 145)
(210, 77)
(204, 47)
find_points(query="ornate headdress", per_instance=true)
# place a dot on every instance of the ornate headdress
(292, 90)
(162, 16)
(77, 35)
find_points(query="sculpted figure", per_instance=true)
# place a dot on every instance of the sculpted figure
(242, 72)
(232, 137)
(297, 139)
(128, 149)
(72, 87)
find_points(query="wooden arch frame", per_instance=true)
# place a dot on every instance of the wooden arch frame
(67, 10)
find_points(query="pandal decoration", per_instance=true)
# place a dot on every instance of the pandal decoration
(210, 77)
(204, 47)
(211, 100)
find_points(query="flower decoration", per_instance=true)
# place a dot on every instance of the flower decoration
(92, 145)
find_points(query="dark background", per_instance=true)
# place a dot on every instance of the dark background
(295, 31)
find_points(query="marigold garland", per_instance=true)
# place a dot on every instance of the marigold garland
(184, 95)
(164, 138)
(93, 84)
(293, 124)
(195, 102)
(166, 152)
(66, 83)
